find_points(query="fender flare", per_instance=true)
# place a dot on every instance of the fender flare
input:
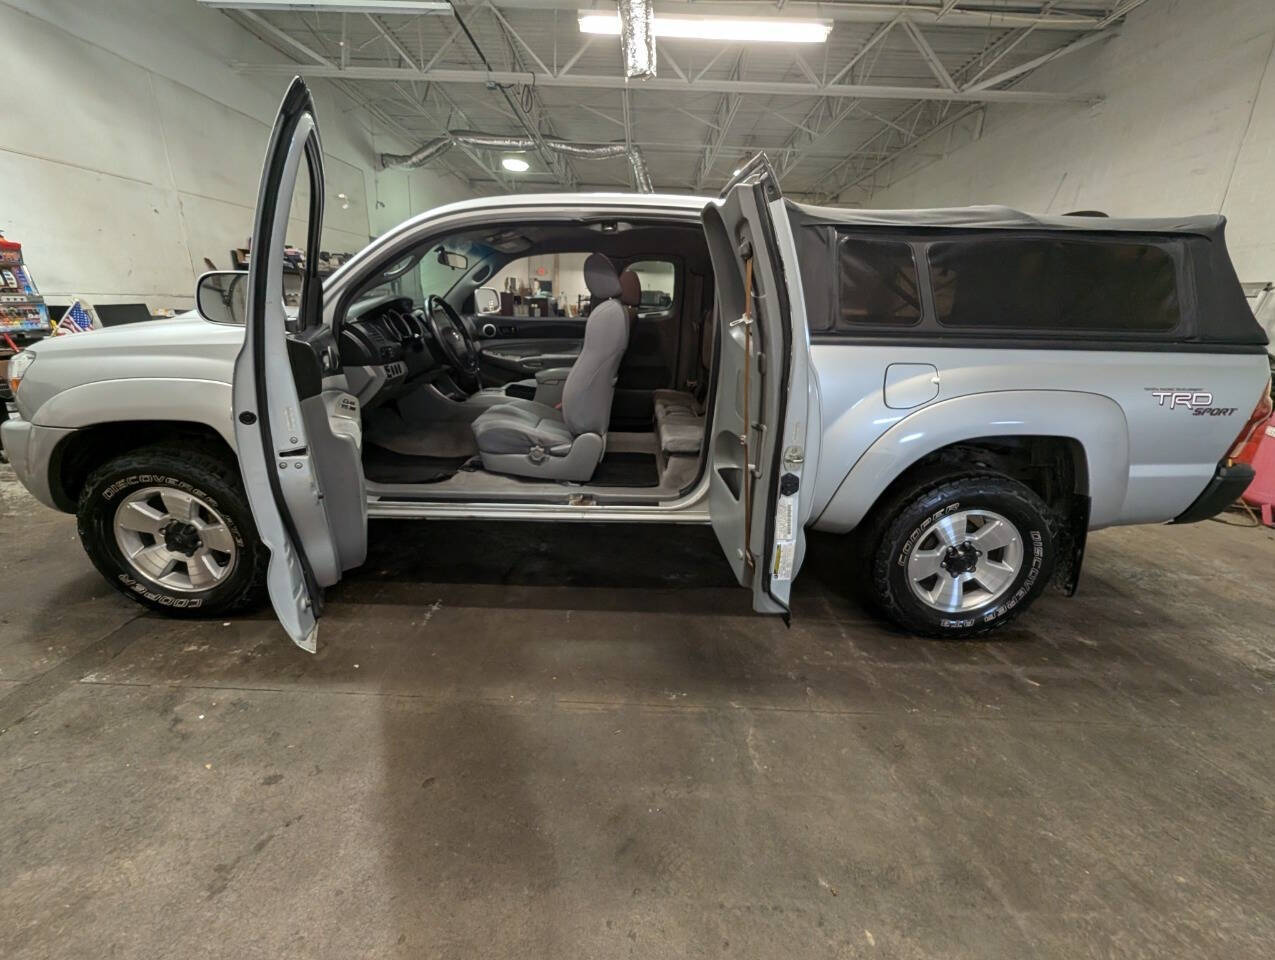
(143, 398)
(1094, 421)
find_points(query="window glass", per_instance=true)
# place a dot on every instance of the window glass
(1057, 285)
(543, 285)
(878, 283)
(658, 278)
(552, 284)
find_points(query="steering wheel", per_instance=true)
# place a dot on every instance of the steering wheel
(452, 337)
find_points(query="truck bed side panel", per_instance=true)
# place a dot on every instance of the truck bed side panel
(1178, 414)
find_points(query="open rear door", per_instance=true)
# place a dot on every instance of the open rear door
(765, 413)
(296, 428)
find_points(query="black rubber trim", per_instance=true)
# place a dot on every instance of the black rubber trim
(1078, 531)
(296, 103)
(975, 342)
(1231, 480)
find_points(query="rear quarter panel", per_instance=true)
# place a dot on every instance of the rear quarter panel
(1146, 457)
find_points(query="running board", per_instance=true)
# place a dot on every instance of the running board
(596, 513)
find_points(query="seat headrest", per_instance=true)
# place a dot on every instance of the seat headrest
(630, 289)
(600, 278)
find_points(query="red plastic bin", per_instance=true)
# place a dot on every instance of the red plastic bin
(1261, 456)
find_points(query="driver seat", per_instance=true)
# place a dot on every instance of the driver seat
(530, 439)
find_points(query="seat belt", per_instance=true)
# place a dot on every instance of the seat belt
(744, 438)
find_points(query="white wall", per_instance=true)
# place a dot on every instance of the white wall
(130, 151)
(1188, 126)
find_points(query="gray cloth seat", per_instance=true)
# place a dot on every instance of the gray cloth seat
(530, 439)
(679, 422)
(679, 414)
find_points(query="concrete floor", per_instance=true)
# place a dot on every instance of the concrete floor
(576, 742)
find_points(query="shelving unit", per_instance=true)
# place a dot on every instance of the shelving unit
(24, 317)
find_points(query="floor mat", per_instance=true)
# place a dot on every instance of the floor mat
(626, 470)
(386, 466)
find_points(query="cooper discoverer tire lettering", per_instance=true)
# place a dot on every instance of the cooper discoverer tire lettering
(172, 529)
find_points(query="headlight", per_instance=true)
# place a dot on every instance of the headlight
(19, 363)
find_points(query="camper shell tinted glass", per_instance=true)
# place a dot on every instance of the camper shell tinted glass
(994, 274)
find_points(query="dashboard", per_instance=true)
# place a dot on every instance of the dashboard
(386, 348)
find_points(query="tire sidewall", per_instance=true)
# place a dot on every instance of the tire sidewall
(103, 494)
(917, 519)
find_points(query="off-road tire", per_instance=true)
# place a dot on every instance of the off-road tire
(913, 511)
(204, 474)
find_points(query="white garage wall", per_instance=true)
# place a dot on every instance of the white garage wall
(1188, 126)
(130, 151)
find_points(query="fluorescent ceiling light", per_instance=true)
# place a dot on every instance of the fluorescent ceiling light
(516, 164)
(735, 29)
(384, 7)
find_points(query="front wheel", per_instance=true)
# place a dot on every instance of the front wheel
(173, 530)
(963, 557)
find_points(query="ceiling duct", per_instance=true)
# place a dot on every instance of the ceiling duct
(488, 141)
(637, 38)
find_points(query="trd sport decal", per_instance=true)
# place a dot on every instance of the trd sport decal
(1199, 402)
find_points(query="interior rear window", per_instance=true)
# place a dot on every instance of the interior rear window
(1055, 285)
(878, 284)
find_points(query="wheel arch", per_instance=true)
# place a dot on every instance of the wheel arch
(87, 448)
(1017, 432)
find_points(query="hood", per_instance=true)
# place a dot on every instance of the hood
(186, 332)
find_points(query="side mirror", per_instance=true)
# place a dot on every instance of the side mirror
(486, 300)
(222, 296)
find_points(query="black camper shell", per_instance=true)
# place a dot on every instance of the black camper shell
(997, 277)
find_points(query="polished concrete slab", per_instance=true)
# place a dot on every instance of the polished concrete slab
(525, 740)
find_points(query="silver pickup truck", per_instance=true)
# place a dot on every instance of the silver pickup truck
(965, 393)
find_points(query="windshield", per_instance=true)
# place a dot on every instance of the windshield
(430, 276)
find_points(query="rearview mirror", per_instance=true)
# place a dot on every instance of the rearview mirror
(457, 261)
(222, 296)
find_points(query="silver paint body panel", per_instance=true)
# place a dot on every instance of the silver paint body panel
(1144, 462)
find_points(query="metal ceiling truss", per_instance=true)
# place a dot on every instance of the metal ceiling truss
(830, 126)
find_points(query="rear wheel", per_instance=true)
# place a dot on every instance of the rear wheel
(962, 557)
(173, 530)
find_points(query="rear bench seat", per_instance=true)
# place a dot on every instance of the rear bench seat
(679, 423)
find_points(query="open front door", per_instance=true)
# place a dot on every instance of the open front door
(762, 436)
(296, 428)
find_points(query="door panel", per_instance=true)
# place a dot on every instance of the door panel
(297, 430)
(761, 433)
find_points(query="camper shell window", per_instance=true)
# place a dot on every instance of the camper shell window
(992, 274)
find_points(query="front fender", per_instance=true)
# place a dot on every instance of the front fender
(149, 398)
(1096, 422)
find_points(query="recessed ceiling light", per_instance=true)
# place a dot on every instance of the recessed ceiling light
(516, 164)
(733, 29)
(737, 171)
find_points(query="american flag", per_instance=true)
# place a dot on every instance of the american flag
(78, 318)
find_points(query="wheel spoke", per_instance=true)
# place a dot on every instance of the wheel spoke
(993, 535)
(216, 536)
(203, 570)
(948, 592)
(139, 516)
(993, 575)
(925, 563)
(951, 530)
(157, 559)
(179, 505)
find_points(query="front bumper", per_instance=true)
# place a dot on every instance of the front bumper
(1230, 480)
(30, 450)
